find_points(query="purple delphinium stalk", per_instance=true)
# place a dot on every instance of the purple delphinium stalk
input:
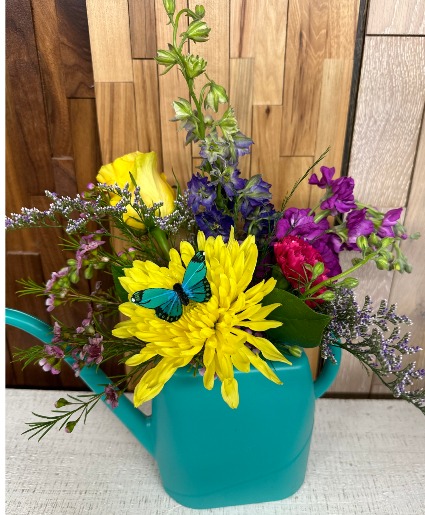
(201, 193)
(255, 193)
(214, 223)
(357, 225)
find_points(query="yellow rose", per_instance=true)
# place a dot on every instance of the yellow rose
(153, 185)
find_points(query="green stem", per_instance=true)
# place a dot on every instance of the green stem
(161, 238)
(328, 282)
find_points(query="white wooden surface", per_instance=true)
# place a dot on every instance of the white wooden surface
(367, 457)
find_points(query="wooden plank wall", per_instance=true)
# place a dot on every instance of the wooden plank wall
(51, 143)
(388, 160)
(287, 66)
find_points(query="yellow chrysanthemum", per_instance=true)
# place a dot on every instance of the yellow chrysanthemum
(217, 327)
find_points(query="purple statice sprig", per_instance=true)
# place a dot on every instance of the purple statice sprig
(78, 211)
(376, 340)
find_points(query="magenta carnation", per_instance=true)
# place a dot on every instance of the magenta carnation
(292, 254)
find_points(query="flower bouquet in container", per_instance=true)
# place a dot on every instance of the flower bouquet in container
(218, 292)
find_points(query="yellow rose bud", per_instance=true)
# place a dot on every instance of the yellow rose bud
(153, 185)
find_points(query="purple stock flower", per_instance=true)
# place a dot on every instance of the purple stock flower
(214, 223)
(342, 199)
(201, 193)
(298, 222)
(357, 225)
(328, 246)
(111, 396)
(326, 180)
(389, 220)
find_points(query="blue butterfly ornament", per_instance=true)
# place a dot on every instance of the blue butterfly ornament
(168, 304)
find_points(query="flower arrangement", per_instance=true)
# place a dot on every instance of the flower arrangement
(212, 276)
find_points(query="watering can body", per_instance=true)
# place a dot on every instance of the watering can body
(210, 455)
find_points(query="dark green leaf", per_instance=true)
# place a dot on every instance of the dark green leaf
(301, 325)
(118, 271)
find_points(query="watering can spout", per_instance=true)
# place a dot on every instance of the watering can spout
(136, 422)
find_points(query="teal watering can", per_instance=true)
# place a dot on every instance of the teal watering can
(209, 455)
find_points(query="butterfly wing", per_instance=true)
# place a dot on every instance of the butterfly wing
(195, 283)
(166, 303)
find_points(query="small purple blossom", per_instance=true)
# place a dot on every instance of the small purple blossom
(87, 244)
(57, 333)
(357, 225)
(54, 350)
(63, 272)
(92, 352)
(50, 303)
(231, 182)
(111, 396)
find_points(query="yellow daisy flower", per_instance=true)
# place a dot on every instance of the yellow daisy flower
(217, 327)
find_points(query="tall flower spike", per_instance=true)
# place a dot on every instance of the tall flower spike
(221, 328)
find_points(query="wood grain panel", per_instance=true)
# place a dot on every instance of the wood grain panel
(64, 174)
(265, 153)
(216, 50)
(305, 51)
(26, 116)
(408, 289)
(176, 156)
(291, 169)
(269, 52)
(85, 140)
(116, 115)
(341, 29)
(110, 40)
(404, 17)
(389, 110)
(147, 107)
(240, 95)
(48, 46)
(242, 27)
(332, 118)
(75, 48)
(142, 28)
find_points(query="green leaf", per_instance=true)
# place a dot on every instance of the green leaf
(118, 271)
(301, 325)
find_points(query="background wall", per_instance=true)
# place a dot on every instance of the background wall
(290, 67)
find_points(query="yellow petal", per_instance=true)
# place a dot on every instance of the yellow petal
(229, 392)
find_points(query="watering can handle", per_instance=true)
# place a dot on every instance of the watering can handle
(136, 421)
(328, 373)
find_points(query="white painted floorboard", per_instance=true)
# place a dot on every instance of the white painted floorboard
(367, 457)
